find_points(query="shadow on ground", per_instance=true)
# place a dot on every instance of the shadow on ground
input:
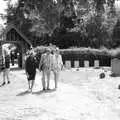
(23, 93)
(46, 91)
(16, 69)
(35, 93)
(114, 75)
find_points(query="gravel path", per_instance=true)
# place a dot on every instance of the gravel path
(81, 95)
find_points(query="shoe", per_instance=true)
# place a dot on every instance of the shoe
(44, 89)
(30, 90)
(55, 88)
(48, 88)
(3, 83)
(8, 82)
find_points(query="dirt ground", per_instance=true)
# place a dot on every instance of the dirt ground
(81, 95)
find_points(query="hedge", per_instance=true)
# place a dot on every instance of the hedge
(81, 54)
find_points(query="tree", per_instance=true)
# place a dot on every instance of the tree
(95, 21)
(43, 21)
(116, 35)
(35, 18)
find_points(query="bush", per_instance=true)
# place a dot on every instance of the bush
(115, 53)
(103, 55)
(82, 54)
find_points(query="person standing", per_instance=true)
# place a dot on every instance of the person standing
(30, 69)
(6, 67)
(12, 56)
(45, 67)
(57, 66)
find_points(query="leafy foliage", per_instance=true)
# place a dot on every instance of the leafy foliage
(67, 23)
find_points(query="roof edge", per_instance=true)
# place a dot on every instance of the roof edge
(11, 26)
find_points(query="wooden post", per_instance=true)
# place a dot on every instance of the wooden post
(96, 64)
(76, 64)
(86, 63)
(115, 66)
(68, 64)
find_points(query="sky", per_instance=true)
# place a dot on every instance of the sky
(3, 6)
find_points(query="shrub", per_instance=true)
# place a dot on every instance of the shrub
(82, 54)
(103, 55)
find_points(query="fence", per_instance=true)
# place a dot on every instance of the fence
(86, 64)
(80, 62)
(79, 55)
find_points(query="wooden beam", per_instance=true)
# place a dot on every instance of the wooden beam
(19, 32)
